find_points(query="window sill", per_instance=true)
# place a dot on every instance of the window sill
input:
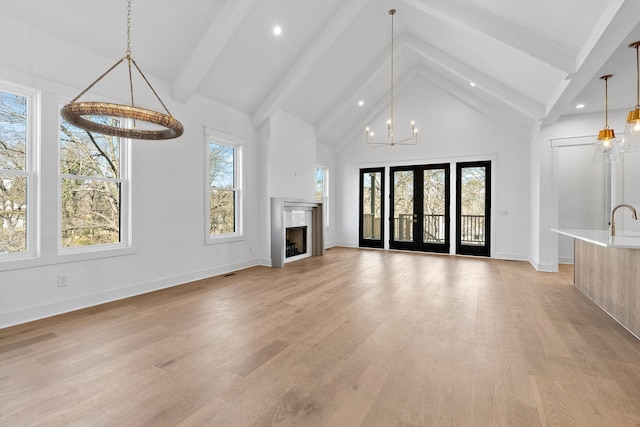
(83, 254)
(63, 258)
(224, 238)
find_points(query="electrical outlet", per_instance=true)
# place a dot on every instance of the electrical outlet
(63, 280)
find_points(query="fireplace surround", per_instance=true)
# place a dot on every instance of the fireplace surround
(295, 214)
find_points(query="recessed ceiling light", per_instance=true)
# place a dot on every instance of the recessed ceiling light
(472, 84)
(579, 106)
(277, 30)
(360, 103)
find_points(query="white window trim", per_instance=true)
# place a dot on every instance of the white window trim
(32, 173)
(124, 247)
(237, 143)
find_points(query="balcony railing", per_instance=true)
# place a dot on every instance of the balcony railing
(472, 230)
(471, 227)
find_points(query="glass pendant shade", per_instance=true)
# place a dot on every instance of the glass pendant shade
(606, 149)
(631, 141)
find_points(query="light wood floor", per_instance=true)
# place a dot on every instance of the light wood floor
(354, 338)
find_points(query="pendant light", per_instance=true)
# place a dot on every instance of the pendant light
(391, 140)
(631, 141)
(80, 114)
(606, 149)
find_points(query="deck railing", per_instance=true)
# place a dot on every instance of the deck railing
(471, 227)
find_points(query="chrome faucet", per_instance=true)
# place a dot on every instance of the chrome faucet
(634, 215)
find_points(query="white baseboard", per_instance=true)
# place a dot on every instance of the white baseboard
(565, 260)
(265, 262)
(61, 307)
(511, 256)
(548, 268)
(346, 244)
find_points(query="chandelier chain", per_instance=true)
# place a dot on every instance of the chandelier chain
(97, 80)
(128, 53)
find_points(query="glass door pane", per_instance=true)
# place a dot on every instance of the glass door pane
(403, 214)
(473, 207)
(435, 203)
(371, 207)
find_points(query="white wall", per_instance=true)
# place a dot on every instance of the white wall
(546, 205)
(450, 131)
(168, 190)
(535, 153)
(580, 194)
(627, 190)
(292, 157)
(288, 157)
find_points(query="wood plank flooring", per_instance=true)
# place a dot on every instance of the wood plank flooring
(354, 338)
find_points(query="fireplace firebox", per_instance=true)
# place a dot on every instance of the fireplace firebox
(296, 241)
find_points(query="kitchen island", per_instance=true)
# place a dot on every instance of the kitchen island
(607, 270)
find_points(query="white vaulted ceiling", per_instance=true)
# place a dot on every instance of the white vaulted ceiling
(529, 60)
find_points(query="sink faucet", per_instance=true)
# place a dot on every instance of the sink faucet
(634, 215)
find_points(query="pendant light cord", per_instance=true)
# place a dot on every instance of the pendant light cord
(637, 77)
(606, 100)
(606, 103)
(392, 12)
(413, 139)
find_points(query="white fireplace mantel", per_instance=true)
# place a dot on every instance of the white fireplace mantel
(278, 207)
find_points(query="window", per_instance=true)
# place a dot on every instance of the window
(320, 183)
(18, 196)
(93, 188)
(224, 216)
(322, 191)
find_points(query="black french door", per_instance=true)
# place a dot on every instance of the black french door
(371, 208)
(419, 214)
(473, 207)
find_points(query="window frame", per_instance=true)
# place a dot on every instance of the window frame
(31, 172)
(124, 246)
(237, 144)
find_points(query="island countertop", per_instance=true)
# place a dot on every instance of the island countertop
(622, 239)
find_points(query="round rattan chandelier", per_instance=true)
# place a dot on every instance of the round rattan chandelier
(80, 113)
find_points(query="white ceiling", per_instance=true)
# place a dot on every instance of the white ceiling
(530, 60)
